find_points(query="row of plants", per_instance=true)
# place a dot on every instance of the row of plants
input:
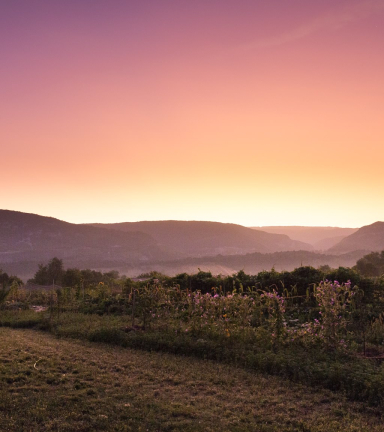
(296, 315)
(320, 335)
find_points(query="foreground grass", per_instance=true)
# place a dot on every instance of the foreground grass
(47, 384)
(357, 378)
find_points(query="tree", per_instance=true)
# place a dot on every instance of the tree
(4, 279)
(41, 276)
(55, 270)
(72, 277)
(371, 264)
(4, 290)
(52, 273)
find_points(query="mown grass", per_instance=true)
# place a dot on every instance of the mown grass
(50, 384)
(358, 379)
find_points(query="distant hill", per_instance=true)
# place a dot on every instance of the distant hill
(328, 242)
(29, 239)
(169, 246)
(369, 238)
(195, 238)
(34, 239)
(321, 238)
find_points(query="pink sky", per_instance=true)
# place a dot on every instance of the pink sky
(251, 112)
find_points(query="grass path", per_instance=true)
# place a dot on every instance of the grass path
(50, 384)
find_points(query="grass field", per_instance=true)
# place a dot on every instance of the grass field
(51, 384)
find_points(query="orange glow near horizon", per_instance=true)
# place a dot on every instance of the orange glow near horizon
(255, 113)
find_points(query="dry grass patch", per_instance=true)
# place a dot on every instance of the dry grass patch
(67, 385)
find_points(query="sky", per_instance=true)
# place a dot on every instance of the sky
(250, 111)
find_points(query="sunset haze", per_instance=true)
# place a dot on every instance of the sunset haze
(250, 112)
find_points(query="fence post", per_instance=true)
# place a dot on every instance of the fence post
(133, 307)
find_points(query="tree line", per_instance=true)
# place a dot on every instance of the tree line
(368, 274)
(55, 273)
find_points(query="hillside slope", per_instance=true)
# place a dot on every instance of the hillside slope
(321, 238)
(369, 238)
(195, 238)
(30, 237)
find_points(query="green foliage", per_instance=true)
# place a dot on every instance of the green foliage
(6, 280)
(300, 326)
(371, 264)
(72, 277)
(8, 285)
(49, 274)
(4, 292)
(152, 275)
